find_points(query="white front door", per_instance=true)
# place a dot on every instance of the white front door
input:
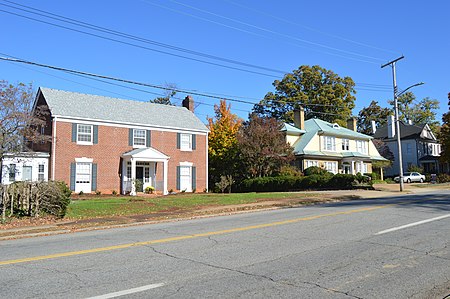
(185, 179)
(83, 178)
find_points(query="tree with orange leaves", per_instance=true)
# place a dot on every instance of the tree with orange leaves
(222, 141)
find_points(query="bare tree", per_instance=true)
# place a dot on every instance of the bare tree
(20, 122)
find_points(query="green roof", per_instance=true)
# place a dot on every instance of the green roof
(315, 127)
(333, 129)
(290, 129)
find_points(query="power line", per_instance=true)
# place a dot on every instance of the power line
(119, 80)
(152, 49)
(284, 20)
(266, 30)
(133, 37)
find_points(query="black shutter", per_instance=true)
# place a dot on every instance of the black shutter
(74, 132)
(178, 140)
(72, 176)
(95, 128)
(178, 178)
(130, 137)
(194, 141)
(194, 178)
(148, 141)
(94, 177)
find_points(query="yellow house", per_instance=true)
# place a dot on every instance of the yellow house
(330, 146)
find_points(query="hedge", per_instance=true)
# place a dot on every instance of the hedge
(310, 182)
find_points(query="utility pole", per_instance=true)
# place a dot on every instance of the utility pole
(397, 121)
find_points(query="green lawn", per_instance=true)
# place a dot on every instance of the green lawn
(121, 206)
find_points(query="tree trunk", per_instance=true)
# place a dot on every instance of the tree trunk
(13, 189)
(4, 204)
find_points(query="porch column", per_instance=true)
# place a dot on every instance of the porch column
(133, 177)
(353, 168)
(165, 165)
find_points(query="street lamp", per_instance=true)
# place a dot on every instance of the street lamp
(397, 120)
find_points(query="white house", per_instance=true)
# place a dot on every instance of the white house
(24, 167)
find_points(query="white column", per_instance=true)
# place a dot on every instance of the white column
(165, 165)
(133, 177)
(353, 168)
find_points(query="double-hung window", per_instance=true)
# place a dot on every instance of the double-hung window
(41, 174)
(329, 143)
(345, 144)
(331, 167)
(361, 146)
(186, 142)
(84, 134)
(310, 163)
(12, 172)
(139, 137)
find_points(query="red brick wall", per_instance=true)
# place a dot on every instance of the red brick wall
(112, 143)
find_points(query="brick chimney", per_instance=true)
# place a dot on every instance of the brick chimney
(299, 118)
(188, 103)
(351, 123)
(391, 126)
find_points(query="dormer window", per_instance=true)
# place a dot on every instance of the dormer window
(336, 126)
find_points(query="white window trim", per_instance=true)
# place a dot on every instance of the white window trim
(145, 139)
(310, 163)
(39, 172)
(361, 146)
(333, 143)
(186, 164)
(91, 134)
(345, 142)
(84, 160)
(184, 149)
(333, 169)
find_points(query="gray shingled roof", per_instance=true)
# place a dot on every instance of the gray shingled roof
(86, 106)
(406, 131)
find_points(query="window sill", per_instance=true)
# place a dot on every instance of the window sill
(139, 146)
(84, 143)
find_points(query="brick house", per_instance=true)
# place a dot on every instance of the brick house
(107, 144)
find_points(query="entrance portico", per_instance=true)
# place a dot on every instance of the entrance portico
(139, 169)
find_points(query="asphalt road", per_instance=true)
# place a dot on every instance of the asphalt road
(382, 248)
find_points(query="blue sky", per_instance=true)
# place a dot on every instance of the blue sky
(352, 38)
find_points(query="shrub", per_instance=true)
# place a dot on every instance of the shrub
(415, 168)
(289, 170)
(342, 181)
(33, 199)
(149, 189)
(373, 175)
(55, 197)
(314, 170)
(443, 178)
(97, 192)
(270, 184)
(114, 192)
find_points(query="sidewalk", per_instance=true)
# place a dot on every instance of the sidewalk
(61, 227)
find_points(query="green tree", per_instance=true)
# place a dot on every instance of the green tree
(421, 112)
(372, 113)
(222, 143)
(169, 93)
(445, 135)
(321, 92)
(262, 147)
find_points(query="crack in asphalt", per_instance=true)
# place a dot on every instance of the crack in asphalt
(331, 290)
(427, 253)
(253, 274)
